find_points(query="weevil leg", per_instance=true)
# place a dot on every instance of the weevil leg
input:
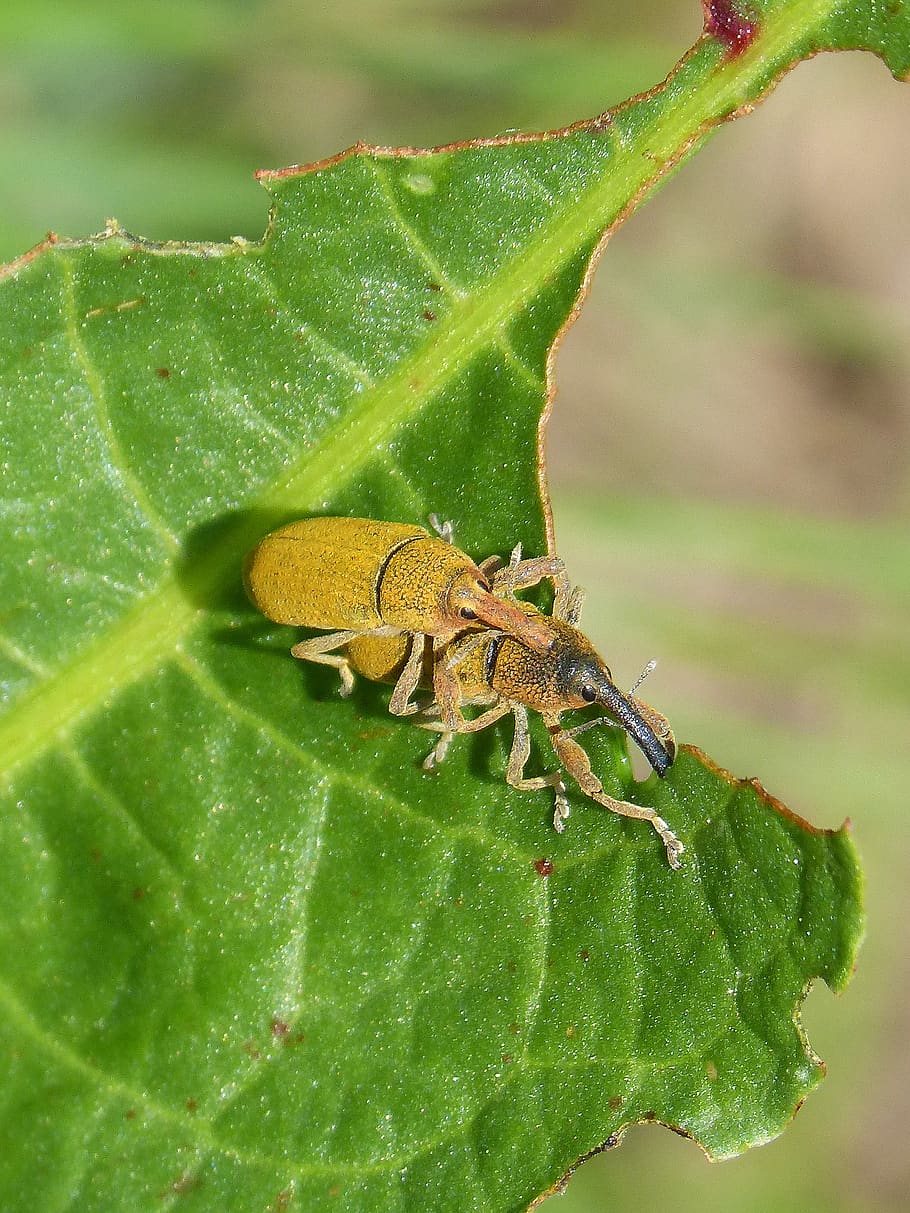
(489, 566)
(577, 763)
(569, 601)
(483, 721)
(651, 716)
(400, 703)
(518, 574)
(446, 686)
(445, 530)
(518, 758)
(318, 649)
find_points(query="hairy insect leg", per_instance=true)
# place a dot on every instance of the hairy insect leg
(319, 650)
(445, 530)
(518, 758)
(568, 602)
(518, 574)
(483, 721)
(400, 703)
(577, 763)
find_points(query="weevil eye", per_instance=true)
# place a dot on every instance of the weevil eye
(467, 613)
(588, 694)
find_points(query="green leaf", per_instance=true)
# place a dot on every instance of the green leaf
(252, 956)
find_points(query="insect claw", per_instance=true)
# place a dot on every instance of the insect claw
(561, 808)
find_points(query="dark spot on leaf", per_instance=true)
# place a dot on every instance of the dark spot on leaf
(512, 967)
(507, 1059)
(585, 955)
(428, 315)
(543, 867)
(280, 1028)
(249, 1047)
(162, 372)
(129, 1114)
(283, 1200)
(515, 1029)
(187, 1182)
(138, 893)
(615, 1102)
(731, 23)
(192, 1105)
(434, 286)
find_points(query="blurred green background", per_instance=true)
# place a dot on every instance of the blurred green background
(729, 451)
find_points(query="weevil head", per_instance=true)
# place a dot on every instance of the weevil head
(647, 728)
(471, 600)
(578, 677)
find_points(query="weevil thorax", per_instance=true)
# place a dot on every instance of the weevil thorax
(428, 585)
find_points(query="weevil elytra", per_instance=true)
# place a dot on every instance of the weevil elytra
(503, 675)
(360, 576)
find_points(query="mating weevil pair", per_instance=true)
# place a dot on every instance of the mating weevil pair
(410, 609)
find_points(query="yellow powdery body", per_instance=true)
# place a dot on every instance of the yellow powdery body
(326, 572)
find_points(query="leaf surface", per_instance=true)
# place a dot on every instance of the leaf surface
(252, 956)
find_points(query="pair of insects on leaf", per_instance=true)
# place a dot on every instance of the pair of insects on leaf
(408, 608)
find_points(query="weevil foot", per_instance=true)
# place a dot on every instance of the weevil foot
(438, 752)
(561, 808)
(445, 530)
(673, 846)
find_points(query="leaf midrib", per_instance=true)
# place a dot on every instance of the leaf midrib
(151, 633)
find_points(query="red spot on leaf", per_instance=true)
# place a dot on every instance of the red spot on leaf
(163, 373)
(543, 867)
(130, 1114)
(615, 1102)
(280, 1028)
(428, 315)
(731, 23)
(192, 1105)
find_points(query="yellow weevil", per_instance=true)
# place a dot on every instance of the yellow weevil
(385, 579)
(498, 672)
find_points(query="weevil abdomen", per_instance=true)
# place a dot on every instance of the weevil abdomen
(326, 572)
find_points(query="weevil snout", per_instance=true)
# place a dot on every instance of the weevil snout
(471, 598)
(647, 728)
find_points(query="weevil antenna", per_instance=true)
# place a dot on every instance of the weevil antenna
(649, 669)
